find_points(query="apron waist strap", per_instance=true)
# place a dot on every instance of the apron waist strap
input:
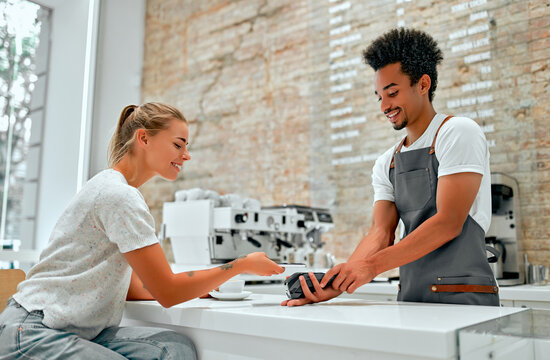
(465, 288)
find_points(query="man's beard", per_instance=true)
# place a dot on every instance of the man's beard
(402, 125)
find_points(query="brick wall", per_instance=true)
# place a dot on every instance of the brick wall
(282, 109)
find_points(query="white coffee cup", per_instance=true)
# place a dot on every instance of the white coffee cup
(232, 286)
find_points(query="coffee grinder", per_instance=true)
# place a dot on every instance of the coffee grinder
(504, 233)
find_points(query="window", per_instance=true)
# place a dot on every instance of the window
(24, 34)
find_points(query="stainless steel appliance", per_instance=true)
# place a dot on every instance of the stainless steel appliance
(504, 233)
(307, 245)
(535, 274)
(202, 234)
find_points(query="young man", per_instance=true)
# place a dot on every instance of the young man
(436, 180)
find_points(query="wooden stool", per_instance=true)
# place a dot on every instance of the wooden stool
(8, 284)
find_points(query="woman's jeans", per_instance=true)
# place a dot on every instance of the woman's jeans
(23, 336)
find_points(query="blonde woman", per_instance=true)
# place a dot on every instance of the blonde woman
(103, 251)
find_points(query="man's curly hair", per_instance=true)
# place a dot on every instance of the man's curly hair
(417, 52)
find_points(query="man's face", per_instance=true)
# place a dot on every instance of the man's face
(399, 101)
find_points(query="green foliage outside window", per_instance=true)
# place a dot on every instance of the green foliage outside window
(19, 36)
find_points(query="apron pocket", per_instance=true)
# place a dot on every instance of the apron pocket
(465, 280)
(413, 190)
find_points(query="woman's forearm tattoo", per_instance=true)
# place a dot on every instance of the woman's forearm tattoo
(227, 266)
(230, 264)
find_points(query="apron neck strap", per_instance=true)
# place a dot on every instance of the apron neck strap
(432, 148)
(392, 164)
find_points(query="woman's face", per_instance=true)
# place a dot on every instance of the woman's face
(167, 150)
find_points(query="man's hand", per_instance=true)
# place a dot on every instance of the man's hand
(350, 275)
(318, 295)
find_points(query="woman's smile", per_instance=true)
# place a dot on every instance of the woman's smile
(176, 165)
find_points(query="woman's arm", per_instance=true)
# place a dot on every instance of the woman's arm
(137, 290)
(150, 265)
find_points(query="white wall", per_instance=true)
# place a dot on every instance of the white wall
(118, 71)
(65, 102)
(75, 109)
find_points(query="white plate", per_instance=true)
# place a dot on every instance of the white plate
(230, 296)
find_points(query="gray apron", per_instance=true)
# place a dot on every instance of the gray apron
(456, 273)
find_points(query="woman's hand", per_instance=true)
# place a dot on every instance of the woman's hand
(258, 263)
(318, 295)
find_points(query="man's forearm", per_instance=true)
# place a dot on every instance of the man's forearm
(375, 241)
(430, 235)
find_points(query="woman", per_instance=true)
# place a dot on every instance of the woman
(103, 250)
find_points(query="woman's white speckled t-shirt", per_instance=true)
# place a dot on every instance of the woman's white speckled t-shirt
(82, 278)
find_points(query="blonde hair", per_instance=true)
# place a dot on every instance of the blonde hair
(153, 117)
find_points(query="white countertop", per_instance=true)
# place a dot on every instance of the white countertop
(423, 330)
(526, 292)
(517, 292)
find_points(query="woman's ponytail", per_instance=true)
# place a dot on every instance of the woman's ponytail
(125, 114)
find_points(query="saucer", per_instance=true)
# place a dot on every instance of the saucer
(230, 296)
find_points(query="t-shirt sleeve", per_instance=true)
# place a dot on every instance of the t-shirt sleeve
(125, 218)
(461, 147)
(383, 188)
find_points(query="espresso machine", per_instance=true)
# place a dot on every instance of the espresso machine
(504, 233)
(307, 245)
(204, 233)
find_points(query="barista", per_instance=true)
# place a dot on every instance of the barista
(436, 180)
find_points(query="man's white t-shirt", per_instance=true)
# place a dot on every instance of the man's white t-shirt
(460, 147)
(82, 278)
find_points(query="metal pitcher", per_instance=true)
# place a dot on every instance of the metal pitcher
(536, 274)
